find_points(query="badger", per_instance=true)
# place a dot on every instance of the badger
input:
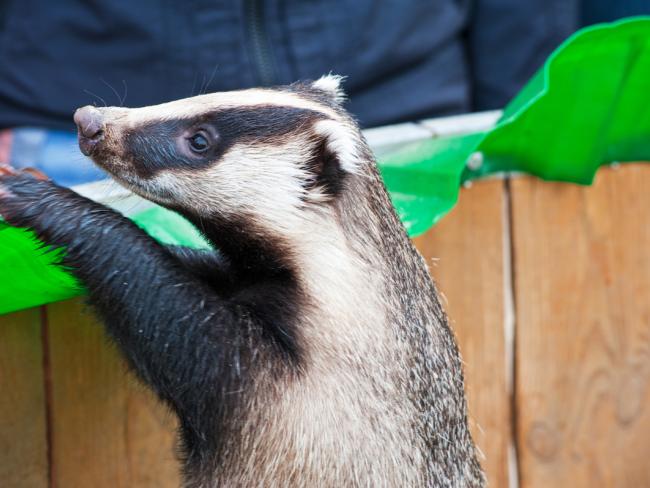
(307, 346)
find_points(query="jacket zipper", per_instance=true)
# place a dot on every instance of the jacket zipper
(260, 47)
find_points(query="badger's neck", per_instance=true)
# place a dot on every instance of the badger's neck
(253, 253)
(356, 222)
(330, 266)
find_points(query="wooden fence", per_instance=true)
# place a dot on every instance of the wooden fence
(548, 289)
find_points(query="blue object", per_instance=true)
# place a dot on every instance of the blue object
(405, 60)
(55, 153)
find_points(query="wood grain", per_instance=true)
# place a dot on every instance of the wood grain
(583, 334)
(106, 430)
(465, 255)
(23, 438)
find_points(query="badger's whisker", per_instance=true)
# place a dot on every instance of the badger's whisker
(214, 71)
(126, 92)
(196, 75)
(117, 95)
(96, 96)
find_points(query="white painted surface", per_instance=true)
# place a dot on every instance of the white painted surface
(384, 139)
(462, 124)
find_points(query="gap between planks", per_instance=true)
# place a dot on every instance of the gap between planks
(47, 394)
(509, 331)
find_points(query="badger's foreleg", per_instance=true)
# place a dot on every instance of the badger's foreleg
(174, 329)
(205, 264)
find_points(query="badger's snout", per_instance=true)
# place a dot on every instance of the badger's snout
(90, 126)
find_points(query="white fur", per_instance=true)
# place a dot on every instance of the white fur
(342, 138)
(331, 84)
(191, 107)
(264, 182)
(342, 141)
(334, 424)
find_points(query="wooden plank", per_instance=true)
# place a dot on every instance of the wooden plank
(151, 434)
(106, 431)
(23, 438)
(465, 255)
(583, 330)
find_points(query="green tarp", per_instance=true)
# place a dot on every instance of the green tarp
(588, 105)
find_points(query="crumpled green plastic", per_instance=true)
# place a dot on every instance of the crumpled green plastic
(588, 105)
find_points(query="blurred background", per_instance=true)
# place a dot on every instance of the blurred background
(547, 284)
(404, 60)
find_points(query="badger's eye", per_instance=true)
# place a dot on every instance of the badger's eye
(199, 143)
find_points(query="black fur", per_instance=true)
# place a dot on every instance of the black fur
(193, 325)
(154, 147)
(327, 168)
(261, 276)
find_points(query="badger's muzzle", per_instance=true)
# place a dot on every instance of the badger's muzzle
(90, 128)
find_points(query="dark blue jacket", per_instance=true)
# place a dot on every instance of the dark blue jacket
(404, 59)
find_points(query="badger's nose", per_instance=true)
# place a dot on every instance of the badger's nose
(90, 126)
(89, 121)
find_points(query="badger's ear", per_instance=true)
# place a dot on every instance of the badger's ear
(340, 142)
(330, 85)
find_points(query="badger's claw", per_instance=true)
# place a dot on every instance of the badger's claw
(6, 170)
(36, 173)
(52, 212)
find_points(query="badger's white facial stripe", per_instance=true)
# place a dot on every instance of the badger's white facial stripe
(263, 182)
(331, 84)
(192, 107)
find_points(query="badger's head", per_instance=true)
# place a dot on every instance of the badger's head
(264, 155)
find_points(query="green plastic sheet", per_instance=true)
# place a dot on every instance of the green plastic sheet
(588, 105)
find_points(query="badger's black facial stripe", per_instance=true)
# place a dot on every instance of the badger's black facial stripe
(158, 145)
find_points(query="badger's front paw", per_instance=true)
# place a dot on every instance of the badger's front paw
(22, 193)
